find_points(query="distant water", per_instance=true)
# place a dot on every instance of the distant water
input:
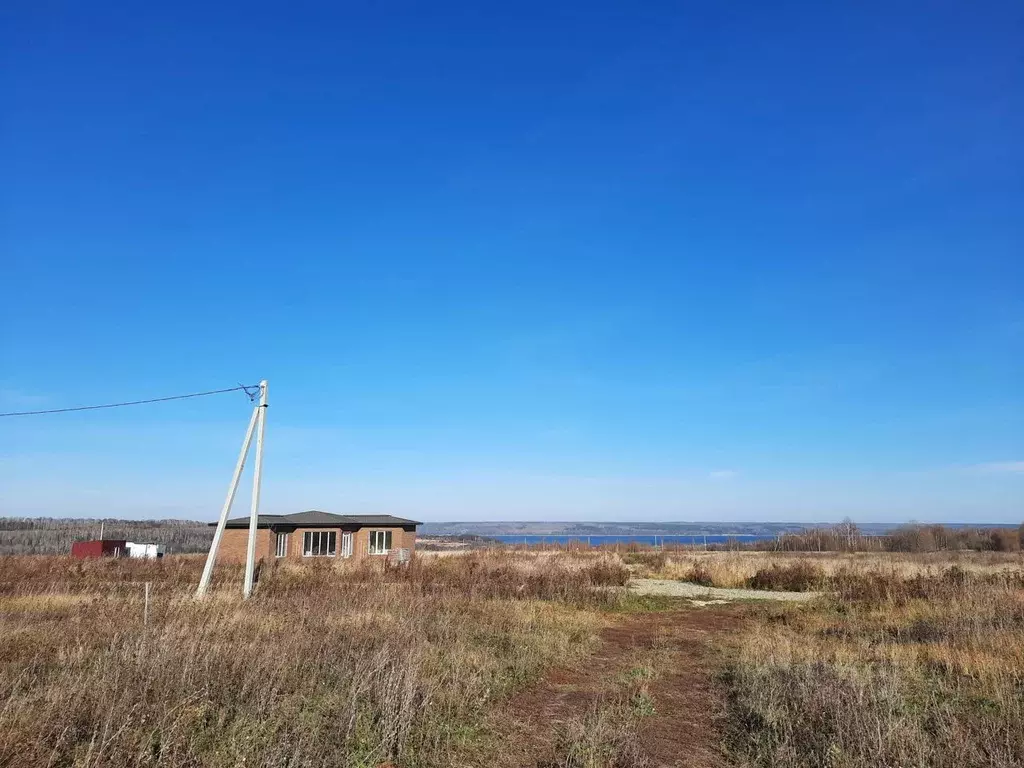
(627, 539)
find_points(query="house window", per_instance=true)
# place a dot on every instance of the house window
(319, 543)
(380, 542)
(282, 544)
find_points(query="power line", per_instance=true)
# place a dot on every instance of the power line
(249, 390)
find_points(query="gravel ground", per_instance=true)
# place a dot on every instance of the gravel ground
(685, 589)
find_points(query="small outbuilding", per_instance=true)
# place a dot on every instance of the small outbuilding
(147, 551)
(99, 548)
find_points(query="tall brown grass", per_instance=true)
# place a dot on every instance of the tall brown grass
(897, 668)
(809, 571)
(324, 667)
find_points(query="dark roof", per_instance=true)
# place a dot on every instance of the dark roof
(316, 519)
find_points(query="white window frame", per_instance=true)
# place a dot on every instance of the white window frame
(319, 543)
(346, 543)
(379, 542)
(281, 545)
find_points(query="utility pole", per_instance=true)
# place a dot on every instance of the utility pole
(258, 419)
(250, 557)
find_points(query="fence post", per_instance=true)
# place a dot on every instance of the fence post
(145, 609)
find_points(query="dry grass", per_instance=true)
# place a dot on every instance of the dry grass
(908, 664)
(913, 660)
(608, 733)
(737, 570)
(326, 666)
(606, 736)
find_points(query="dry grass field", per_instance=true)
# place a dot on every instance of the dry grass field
(909, 660)
(323, 668)
(904, 660)
(927, 671)
(810, 570)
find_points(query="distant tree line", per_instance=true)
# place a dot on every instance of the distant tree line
(914, 537)
(929, 538)
(54, 536)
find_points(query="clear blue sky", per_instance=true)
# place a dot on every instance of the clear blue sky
(581, 260)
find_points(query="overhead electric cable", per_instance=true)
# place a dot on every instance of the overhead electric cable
(251, 391)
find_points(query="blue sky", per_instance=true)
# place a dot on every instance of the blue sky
(562, 261)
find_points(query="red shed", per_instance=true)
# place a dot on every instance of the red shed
(99, 548)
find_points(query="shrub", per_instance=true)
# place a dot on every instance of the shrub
(796, 577)
(654, 561)
(1005, 540)
(699, 574)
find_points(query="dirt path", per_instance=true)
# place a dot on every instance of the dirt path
(682, 703)
(671, 588)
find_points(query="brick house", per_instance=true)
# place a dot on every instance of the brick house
(320, 535)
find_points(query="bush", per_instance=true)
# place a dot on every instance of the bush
(699, 574)
(655, 561)
(1005, 540)
(797, 577)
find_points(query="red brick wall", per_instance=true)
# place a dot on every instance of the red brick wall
(399, 540)
(410, 542)
(235, 540)
(233, 544)
(295, 543)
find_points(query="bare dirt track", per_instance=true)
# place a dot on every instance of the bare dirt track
(685, 726)
(675, 588)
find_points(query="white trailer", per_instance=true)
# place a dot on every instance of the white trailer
(148, 551)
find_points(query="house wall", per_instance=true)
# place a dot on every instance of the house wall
(233, 544)
(409, 542)
(399, 539)
(235, 540)
(295, 544)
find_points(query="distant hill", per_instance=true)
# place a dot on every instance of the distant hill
(633, 528)
(48, 535)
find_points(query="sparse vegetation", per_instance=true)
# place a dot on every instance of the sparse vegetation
(802, 571)
(604, 737)
(607, 734)
(922, 669)
(908, 659)
(326, 666)
(799, 576)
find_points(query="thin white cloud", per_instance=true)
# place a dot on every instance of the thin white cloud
(999, 468)
(723, 474)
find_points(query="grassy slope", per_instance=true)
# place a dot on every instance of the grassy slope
(916, 660)
(323, 668)
(893, 670)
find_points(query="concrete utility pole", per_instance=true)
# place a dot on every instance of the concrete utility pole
(254, 511)
(256, 423)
